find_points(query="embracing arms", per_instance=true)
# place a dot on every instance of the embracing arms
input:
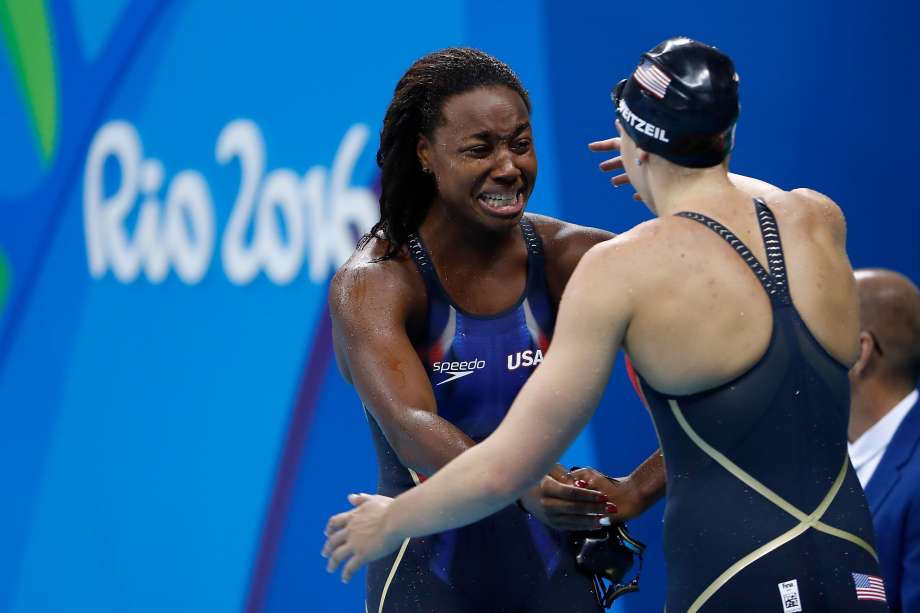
(372, 307)
(551, 409)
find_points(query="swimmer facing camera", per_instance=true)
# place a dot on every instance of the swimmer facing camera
(740, 316)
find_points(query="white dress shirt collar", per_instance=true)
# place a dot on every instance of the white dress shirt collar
(867, 451)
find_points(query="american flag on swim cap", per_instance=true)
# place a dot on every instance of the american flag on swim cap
(869, 587)
(652, 78)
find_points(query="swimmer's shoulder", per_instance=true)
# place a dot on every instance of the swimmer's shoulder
(811, 211)
(648, 260)
(564, 244)
(755, 188)
(558, 234)
(367, 285)
(618, 271)
(816, 212)
(370, 297)
(629, 253)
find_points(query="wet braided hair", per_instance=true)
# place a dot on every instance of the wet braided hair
(406, 191)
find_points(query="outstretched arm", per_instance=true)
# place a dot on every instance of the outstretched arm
(551, 409)
(371, 307)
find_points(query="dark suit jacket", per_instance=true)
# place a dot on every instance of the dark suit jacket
(893, 493)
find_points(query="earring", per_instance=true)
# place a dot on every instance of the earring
(426, 170)
(638, 161)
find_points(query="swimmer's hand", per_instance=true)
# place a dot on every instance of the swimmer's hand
(612, 164)
(359, 536)
(560, 504)
(622, 493)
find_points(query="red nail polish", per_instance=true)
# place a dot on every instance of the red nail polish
(602, 498)
(580, 483)
(610, 508)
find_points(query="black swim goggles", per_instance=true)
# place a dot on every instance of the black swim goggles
(616, 94)
(607, 555)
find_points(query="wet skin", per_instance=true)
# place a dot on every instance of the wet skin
(482, 157)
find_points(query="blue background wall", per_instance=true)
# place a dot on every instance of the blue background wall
(173, 432)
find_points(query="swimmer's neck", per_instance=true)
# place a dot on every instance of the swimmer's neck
(445, 233)
(674, 189)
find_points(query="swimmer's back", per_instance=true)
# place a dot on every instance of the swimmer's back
(700, 318)
(764, 509)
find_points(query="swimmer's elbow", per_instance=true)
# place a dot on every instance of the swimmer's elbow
(507, 491)
(409, 452)
(419, 446)
(506, 483)
(511, 478)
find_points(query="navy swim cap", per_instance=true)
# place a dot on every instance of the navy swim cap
(681, 103)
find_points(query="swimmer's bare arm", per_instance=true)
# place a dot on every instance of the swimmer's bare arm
(371, 304)
(565, 245)
(553, 406)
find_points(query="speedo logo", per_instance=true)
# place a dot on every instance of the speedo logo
(524, 358)
(640, 125)
(457, 370)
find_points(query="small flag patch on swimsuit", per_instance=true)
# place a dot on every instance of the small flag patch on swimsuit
(869, 587)
(652, 78)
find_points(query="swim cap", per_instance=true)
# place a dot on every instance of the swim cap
(681, 103)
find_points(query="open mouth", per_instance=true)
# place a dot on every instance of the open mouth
(502, 204)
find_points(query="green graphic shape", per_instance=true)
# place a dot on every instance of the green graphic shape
(29, 43)
(6, 277)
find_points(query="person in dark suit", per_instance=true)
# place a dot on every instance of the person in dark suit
(884, 429)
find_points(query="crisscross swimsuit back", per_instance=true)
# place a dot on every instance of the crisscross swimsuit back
(764, 510)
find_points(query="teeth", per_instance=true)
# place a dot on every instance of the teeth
(499, 199)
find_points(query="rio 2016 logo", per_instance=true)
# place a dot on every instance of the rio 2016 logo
(321, 211)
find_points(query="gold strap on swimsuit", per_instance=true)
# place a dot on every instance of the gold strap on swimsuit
(806, 520)
(399, 557)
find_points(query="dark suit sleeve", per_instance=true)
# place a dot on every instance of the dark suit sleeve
(910, 569)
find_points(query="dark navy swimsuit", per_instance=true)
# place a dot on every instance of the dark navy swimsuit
(508, 561)
(764, 510)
